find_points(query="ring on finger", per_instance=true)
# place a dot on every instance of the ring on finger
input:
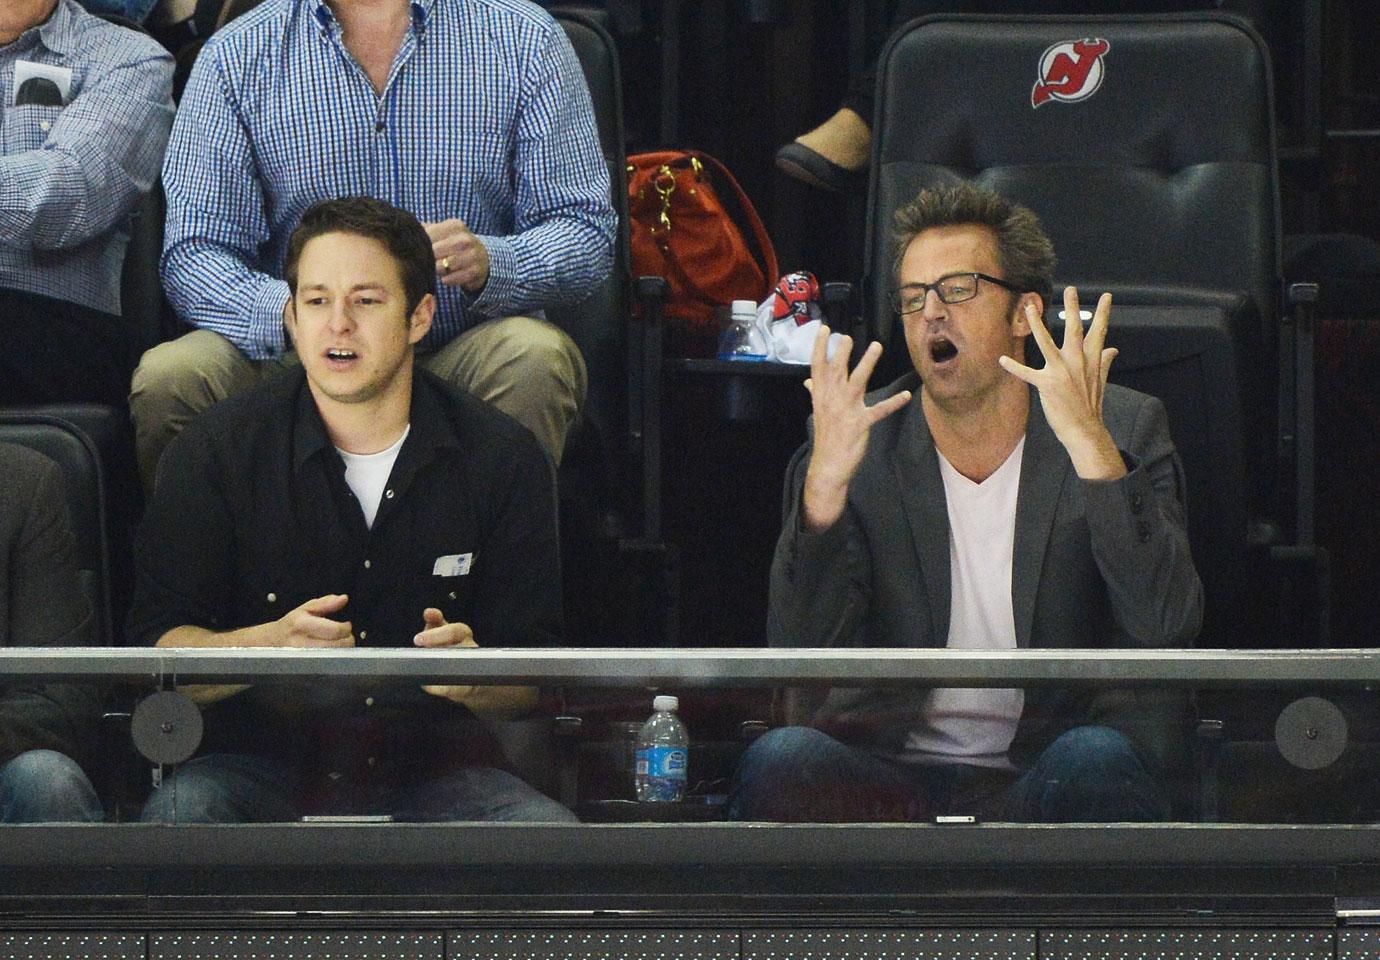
(445, 264)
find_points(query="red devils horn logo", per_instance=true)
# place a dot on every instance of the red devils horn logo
(1070, 70)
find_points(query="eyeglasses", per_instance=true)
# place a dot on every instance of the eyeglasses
(955, 288)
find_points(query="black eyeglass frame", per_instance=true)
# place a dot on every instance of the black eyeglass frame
(937, 287)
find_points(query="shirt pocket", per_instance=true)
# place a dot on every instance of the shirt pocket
(28, 127)
(450, 584)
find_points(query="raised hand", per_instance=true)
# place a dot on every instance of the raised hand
(1071, 385)
(843, 421)
(462, 260)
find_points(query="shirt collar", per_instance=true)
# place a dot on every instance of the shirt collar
(325, 16)
(431, 429)
(55, 33)
(309, 435)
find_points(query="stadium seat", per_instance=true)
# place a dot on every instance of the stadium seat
(619, 576)
(142, 301)
(55, 433)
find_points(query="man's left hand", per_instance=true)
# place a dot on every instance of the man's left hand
(436, 632)
(462, 260)
(1071, 385)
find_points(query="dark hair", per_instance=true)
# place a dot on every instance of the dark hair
(398, 230)
(1024, 252)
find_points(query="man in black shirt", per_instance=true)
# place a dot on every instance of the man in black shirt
(353, 502)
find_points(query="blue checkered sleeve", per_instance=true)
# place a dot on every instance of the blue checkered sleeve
(562, 246)
(217, 220)
(84, 172)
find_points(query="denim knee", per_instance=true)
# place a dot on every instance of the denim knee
(188, 797)
(46, 786)
(222, 788)
(786, 751)
(480, 793)
(1091, 774)
(789, 774)
(1093, 748)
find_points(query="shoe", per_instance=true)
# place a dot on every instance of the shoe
(799, 161)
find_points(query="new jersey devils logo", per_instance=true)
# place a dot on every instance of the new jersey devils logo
(1070, 70)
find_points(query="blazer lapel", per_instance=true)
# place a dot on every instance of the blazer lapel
(1044, 465)
(915, 464)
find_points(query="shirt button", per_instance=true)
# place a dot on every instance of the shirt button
(368, 701)
(45, 125)
(372, 760)
(452, 595)
(364, 634)
(368, 564)
(272, 598)
(388, 494)
(379, 127)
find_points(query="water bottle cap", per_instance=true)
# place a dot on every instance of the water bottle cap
(664, 702)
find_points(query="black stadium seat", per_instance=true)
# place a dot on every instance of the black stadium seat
(598, 324)
(619, 576)
(57, 436)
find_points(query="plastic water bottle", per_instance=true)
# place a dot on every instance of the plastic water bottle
(743, 340)
(663, 749)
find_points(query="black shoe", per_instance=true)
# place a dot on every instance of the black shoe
(799, 161)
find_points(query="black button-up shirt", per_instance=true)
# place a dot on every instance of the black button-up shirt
(252, 517)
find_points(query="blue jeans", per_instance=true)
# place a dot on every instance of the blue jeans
(44, 786)
(797, 774)
(239, 788)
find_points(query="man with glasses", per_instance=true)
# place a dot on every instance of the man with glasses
(979, 504)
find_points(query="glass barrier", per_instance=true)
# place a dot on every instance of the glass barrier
(924, 737)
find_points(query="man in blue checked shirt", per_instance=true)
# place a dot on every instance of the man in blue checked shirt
(85, 108)
(473, 115)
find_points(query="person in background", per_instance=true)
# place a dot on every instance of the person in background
(88, 105)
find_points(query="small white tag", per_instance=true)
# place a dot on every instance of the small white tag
(27, 70)
(455, 565)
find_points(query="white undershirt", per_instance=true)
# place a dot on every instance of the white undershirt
(977, 723)
(367, 474)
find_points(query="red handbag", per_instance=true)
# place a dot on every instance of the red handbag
(711, 252)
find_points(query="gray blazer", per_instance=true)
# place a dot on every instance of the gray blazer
(41, 605)
(1096, 564)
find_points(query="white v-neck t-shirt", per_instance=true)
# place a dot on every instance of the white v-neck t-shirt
(367, 475)
(976, 724)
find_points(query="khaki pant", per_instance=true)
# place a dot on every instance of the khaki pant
(527, 368)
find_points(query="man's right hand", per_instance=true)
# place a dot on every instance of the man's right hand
(306, 626)
(309, 625)
(843, 421)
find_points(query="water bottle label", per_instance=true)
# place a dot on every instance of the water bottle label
(661, 771)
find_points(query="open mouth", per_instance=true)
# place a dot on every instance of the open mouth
(942, 350)
(339, 355)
